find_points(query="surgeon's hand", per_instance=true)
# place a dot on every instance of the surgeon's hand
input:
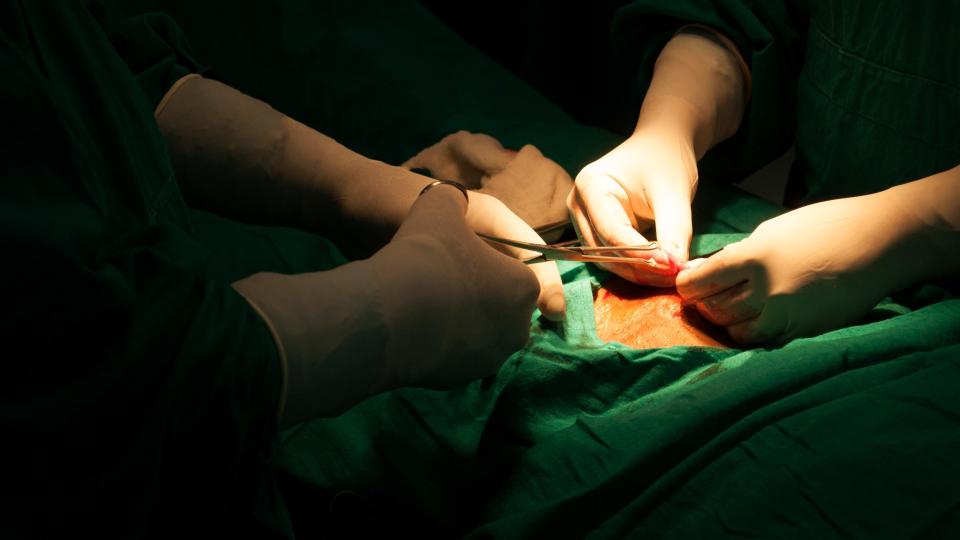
(647, 181)
(237, 156)
(696, 99)
(808, 271)
(490, 216)
(442, 283)
(531, 185)
(437, 307)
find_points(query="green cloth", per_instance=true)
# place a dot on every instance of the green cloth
(139, 393)
(166, 431)
(850, 433)
(868, 90)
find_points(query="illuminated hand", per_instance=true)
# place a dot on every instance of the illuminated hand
(488, 215)
(805, 272)
(649, 179)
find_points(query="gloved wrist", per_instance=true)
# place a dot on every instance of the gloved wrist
(672, 117)
(417, 305)
(642, 155)
(652, 177)
(362, 328)
(331, 343)
(698, 85)
(904, 250)
(924, 245)
(452, 183)
(895, 232)
(376, 324)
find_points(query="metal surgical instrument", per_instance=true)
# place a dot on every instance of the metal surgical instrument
(571, 251)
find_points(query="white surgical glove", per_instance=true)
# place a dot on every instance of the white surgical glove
(650, 178)
(236, 156)
(825, 265)
(695, 100)
(437, 307)
(531, 185)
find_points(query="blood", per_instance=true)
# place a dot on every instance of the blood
(649, 317)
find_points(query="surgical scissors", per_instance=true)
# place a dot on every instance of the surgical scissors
(570, 251)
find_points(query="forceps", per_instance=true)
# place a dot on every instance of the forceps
(571, 251)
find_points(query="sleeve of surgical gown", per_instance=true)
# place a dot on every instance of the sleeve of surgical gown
(770, 37)
(136, 397)
(155, 49)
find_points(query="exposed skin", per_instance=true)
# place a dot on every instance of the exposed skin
(651, 317)
(433, 305)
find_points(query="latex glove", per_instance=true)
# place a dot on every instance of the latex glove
(491, 216)
(814, 269)
(514, 191)
(648, 180)
(695, 100)
(531, 185)
(437, 307)
(237, 156)
(465, 157)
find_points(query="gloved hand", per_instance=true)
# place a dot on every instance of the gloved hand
(491, 216)
(479, 301)
(650, 178)
(437, 307)
(531, 185)
(695, 100)
(825, 265)
(237, 156)
(465, 157)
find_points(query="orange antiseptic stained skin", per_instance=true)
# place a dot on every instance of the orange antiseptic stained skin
(649, 317)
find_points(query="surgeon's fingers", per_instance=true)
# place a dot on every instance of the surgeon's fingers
(488, 215)
(607, 207)
(434, 212)
(641, 274)
(707, 277)
(586, 234)
(766, 328)
(609, 221)
(732, 306)
(551, 302)
(671, 210)
(581, 224)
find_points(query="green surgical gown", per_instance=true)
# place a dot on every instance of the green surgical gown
(139, 394)
(869, 91)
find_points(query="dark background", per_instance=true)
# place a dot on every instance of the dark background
(562, 48)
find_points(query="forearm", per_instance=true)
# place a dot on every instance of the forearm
(928, 210)
(337, 366)
(354, 331)
(236, 156)
(343, 194)
(698, 92)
